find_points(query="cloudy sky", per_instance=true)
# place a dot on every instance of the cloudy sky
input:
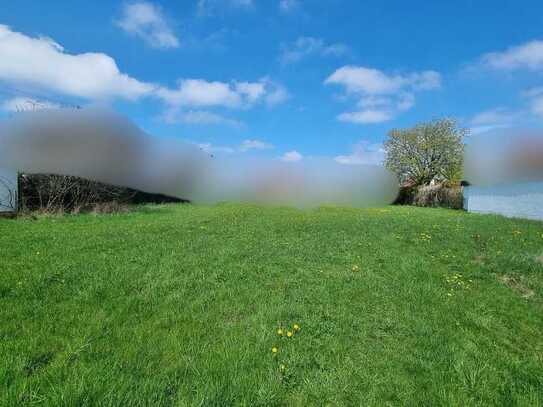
(288, 79)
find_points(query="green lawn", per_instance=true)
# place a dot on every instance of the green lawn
(180, 305)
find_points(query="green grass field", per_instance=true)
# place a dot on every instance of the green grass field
(180, 305)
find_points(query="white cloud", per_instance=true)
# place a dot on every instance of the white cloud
(426, 80)
(242, 3)
(210, 148)
(363, 154)
(243, 147)
(358, 79)
(537, 106)
(292, 156)
(498, 115)
(288, 6)
(365, 116)
(145, 20)
(533, 92)
(492, 119)
(247, 145)
(306, 46)
(276, 93)
(42, 63)
(251, 90)
(405, 101)
(201, 93)
(501, 117)
(380, 96)
(199, 117)
(210, 7)
(19, 104)
(535, 98)
(526, 56)
(370, 81)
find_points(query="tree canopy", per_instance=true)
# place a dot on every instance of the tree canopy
(428, 151)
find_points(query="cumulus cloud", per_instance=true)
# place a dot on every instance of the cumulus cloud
(535, 100)
(210, 7)
(44, 64)
(242, 3)
(358, 79)
(494, 117)
(199, 92)
(203, 93)
(253, 91)
(380, 96)
(247, 145)
(537, 106)
(525, 56)
(365, 116)
(292, 156)
(306, 46)
(288, 6)
(363, 153)
(175, 115)
(146, 20)
(243, 147)
(213, 149)
(501, 117)
(276, 93)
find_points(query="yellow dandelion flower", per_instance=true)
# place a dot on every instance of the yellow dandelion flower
(280, 332)
(289, 334)
(274, 350)
(296, 327)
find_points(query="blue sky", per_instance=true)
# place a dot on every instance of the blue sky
(281, 78)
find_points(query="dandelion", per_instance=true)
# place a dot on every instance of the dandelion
(356, 268)
(274, 350)
(289, 334)
(296, 327)
(280, 332)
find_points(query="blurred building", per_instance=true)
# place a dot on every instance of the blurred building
(507, 177)
(519, 200)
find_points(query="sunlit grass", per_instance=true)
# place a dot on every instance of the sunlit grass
(189, 305)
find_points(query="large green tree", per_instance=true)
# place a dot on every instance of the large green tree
(428, 151)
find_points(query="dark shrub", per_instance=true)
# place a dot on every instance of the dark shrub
(439, 195)
(59, 193)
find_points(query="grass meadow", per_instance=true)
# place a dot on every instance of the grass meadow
(182, 305)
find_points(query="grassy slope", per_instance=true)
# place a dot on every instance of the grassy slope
(179, 305)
